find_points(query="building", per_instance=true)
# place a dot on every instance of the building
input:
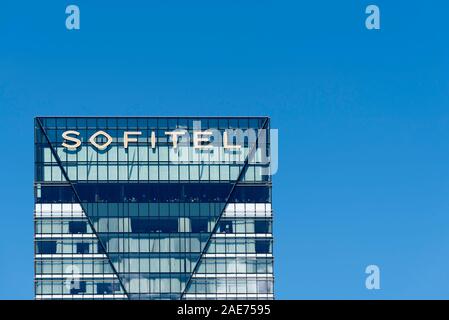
(153, 208)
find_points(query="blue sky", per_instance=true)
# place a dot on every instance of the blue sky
(362, 116)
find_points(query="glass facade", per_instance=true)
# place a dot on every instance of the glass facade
(153, 208)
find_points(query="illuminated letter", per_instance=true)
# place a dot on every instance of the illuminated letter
(104, 145)
(126, 140)
(197, 139)
(229, 146)
(175, 135)
(66, 136)
(153, 140)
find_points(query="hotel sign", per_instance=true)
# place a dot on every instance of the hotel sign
(257, 146)
(201, 139)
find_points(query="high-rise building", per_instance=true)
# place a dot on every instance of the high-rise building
(153, 208)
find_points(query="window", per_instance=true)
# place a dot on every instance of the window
(140, 225)
(82, 248)
(225, 227)
(262, 246)
(100, 248)
(145, 225)
(106, 288)
(77, 227)
(262, 226)
(77, 287)
(199, 225)
(46, 247)
(164, 225)
(250, 194)
(264, 286)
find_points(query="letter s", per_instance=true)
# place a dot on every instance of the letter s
(66, 136)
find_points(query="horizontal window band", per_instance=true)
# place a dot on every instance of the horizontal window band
(155, 193)
(93, 236)
(81, 296)
(75, 208)
(70, 255)
(232, 296)
(233, 275)
(153, 275)
(188, 257)
(69, 235)
(75, 276)
(226, 214)
(242, 235)
(237, 255)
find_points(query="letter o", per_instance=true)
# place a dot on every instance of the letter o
(100, 146)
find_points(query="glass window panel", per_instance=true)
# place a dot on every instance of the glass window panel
(234, 172)
(143, 153)
(214, 173)
(154, 265)
(102, 173)
(224, 172)
(249, 174)
(183, 172)
(47, 173)
(194, 174)
(92, 154)
(92, 172)
(153, 154)
(250, 226)
(112, 153)
(143, 172)
(123, 172)
(71, 172)
(82, 172)
(133, 172)
(173, 173)
(112, 172)
(165, 265)
(82, 153)
(56, 173)
(153, 173)
(122, 154)
(204, 172)
(144, 265)
(165, 285)
(163, 172)
(48, 157)
(163, 153)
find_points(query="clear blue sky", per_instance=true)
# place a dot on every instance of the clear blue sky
(363, 119)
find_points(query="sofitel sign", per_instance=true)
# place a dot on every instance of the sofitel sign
(201, 139)
(230, 140)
